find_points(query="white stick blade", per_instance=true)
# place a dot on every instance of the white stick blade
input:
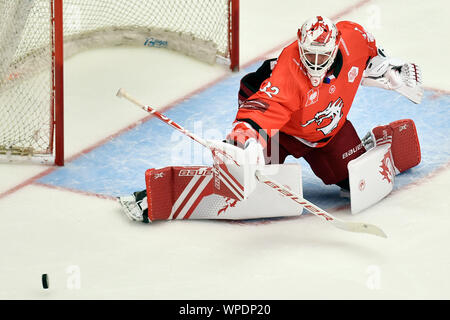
(120, 93)
(360, 227)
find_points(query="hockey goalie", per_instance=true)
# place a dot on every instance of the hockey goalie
(296, 104)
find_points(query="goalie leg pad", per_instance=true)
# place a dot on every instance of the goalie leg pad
(174, 192)
(405, 147)
(189, 193)
(371, 177)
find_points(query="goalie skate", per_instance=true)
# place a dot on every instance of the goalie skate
(133, 209)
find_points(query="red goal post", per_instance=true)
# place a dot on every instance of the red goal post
(40, 34)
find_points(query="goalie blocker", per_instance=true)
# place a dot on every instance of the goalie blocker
(391, 149)
(196, 192)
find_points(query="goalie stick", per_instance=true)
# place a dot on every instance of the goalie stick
(315, 210)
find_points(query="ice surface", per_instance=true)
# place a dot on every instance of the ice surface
(65, 224)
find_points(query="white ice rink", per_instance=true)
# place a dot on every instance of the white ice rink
(90, 250)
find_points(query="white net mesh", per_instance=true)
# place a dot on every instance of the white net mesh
(25, 91)
(198, 28)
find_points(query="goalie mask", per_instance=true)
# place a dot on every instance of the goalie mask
(318, 43)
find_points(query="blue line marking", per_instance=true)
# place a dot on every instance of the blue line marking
(117, 167)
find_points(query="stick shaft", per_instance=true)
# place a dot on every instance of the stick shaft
(173, 124)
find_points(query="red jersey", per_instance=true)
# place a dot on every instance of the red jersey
(286, 101)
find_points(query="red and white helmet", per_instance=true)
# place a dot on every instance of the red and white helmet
(318, 43)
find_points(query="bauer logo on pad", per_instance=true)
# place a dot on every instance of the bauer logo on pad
(199, 172)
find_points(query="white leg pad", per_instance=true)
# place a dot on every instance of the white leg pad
(371, 177)
(263, 202)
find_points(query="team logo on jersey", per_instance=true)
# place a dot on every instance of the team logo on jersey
(352, 74)
(312, 97)
(332, 89)
(386, 167)
(333, 111)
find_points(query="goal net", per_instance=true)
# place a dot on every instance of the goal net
(204, 29)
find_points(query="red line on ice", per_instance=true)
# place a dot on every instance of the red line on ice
(90, 194)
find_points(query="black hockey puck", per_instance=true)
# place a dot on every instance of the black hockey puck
(45, 281)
